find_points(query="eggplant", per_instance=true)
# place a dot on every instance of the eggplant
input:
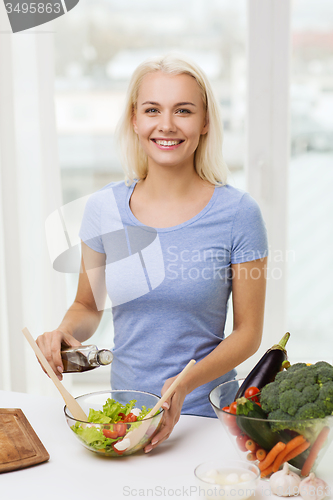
(267, 367)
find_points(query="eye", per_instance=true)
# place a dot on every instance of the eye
(183, 111)
(151, 111)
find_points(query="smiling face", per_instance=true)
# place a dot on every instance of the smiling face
(169, 119)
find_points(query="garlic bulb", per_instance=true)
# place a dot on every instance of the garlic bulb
(285, 483)
(313, 488)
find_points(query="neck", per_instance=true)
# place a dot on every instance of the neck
(169, 183)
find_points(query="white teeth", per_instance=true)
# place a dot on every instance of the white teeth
(167, 143)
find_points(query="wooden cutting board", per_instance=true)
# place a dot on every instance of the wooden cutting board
(20, 446)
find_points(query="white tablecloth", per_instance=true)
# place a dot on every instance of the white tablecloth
(74, 473)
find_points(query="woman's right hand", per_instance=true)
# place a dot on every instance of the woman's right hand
(50, 345)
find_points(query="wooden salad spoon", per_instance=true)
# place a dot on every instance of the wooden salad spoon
(134, 437)
(70, 401)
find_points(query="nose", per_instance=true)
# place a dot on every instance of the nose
(166, 123)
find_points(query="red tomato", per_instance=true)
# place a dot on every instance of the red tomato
(130, 418)
(233, 408)
(110, 433)
(122, 416)
(251, 392)
(119, 452)
(227, 418)
(121, 429)
(241, 440)
(234, 429)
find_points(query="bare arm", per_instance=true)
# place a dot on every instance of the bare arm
(248, 296)
(248, 290)
(83, 317)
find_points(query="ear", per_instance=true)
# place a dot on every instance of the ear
(135, 127)
(205, 128)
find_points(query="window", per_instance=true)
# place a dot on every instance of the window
(310, 268)
(99, 44)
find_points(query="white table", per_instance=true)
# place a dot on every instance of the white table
(74, 473)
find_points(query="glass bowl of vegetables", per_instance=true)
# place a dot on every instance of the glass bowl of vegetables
(113, 427)
(267, 441)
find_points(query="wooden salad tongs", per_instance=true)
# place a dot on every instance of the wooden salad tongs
(135, 436)
(70, 401)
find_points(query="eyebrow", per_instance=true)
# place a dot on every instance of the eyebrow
(178, 103)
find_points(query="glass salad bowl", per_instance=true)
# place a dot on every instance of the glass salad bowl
(103, 434)
(255, 437)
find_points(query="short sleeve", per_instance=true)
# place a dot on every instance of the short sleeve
(249, 235)
(90, 230)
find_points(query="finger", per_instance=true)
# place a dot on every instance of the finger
(167, 425)
(56, 366)
(56, 354)
(69, 339)
(170, 418)
(158, 439)
(161, 436)
(47, 345)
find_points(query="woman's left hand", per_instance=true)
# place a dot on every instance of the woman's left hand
(172, 408)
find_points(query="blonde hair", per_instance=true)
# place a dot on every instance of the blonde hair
(209, 162)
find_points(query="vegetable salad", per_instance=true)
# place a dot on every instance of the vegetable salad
(117, 416)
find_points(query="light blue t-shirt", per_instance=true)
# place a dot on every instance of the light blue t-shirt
(170, 287)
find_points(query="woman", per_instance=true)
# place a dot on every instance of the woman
(168, 246)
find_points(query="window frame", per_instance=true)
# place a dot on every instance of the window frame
(268, 143)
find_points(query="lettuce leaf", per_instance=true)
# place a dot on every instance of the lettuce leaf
(98, 417)
(144, 412)
(89, 434)
(112, 409)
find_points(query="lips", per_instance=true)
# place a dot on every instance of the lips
(167, 143)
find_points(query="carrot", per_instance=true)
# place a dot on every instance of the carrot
(251, 456)
(271, 455)
(267, 471)
(250, 445)
(316, 447)
(297, 451)
(261, 454)
(293, 443)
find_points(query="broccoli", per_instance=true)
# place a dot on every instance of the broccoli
(299, 393)
(326, 395)
(271, 397)
(311, 410)
(278, 415)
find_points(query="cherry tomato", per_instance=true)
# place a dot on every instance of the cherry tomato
(241, 440)
(119, 452)
(122, 416)
(130, 418)
(251, 392)
(234, 429)
(233, 408)
(121, 429)
(227, 418)
(110, 433)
